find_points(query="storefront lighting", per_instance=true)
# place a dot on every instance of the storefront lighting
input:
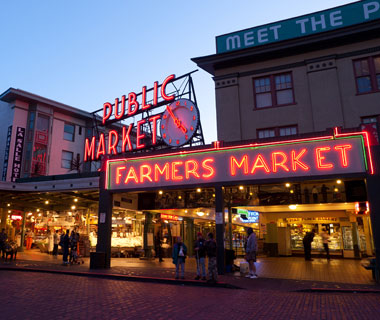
(199, 190)
(336, 190)
(179, 197)
(292, 191)
(70, 213)
(213, 195)
(292, 206)
(287, 185)
(39, 214)
(251, 194)
(9, 211)
(160, 192)
(73, 207)
(9, 217)
(30, 213)
(200, 213)
(186, 211)
(113, 218)
(47, 202)
(8, 204)
(338, 181)
(166, 221)
(241, 187)
(75, 199)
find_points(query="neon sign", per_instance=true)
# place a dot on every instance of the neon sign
(338, 154)
(248, 216)
(169, 217)
(16, 217)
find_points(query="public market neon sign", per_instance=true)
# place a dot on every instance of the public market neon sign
(337, 154)
(129, 106)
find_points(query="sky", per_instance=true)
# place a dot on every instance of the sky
(86, 52)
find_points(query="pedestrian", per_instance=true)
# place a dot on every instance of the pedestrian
(56, 242)
(325, 241)
(65, 243)
(179, 257)
(74, 238)
(50, 241)
(307, 240)
(200, 255)
(314, 192)
(211, 250)
(158, 246)
(250, 253)
(3, 239)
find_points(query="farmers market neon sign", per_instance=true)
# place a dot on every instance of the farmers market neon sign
(337, 154)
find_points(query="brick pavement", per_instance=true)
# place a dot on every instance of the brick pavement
(47, 296)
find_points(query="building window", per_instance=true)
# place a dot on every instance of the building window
(68, 133)
(367, 120)
(67, 159)
(367, 74)
(277, 132)
(272, 91)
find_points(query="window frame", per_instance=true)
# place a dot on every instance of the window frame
(72, 158)
(372, 74)
(70, 124)
(277, 131)
(273, 90)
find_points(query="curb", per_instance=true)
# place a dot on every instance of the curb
(119, 277)
(342, 290)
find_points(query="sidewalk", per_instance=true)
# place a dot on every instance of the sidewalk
(285, 273)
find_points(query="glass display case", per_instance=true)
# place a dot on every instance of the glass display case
(347, 238)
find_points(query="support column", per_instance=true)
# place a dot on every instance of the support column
(230, 228)
(148, 233)
(102, 256)
(21, 248)
(219, 226)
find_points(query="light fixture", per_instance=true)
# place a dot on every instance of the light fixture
(251, 194)
(199, 190)
(213, 195)
(186, 211)
(160, 192)
(287, 185)
(179, 197)
(338, 181)
(336, 190)
(47, 202)
(30, 213)
(292, 206)
(200, 213)
(9, 211)
(166, 221)
(75, 199)
(241, 187)
(8, 204)
(39, 214)
(291, 191)
(38, 210)
(73, 207)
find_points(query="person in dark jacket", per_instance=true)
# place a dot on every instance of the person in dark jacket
(200, 255)
(179, 258)
(211, 250)
(307, 240)
(3, 239)
(65, 247)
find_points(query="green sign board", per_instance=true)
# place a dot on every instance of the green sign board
(317, 22)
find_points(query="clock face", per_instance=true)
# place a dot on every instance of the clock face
(179, 122)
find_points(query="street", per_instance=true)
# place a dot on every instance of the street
(29, 295)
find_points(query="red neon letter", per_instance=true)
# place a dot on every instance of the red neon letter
(132, 101)
(157, 171)
(145, 174)
(89, 151)
(296, 160)
(112, 145)
(154, 129)
(260, 163)
(131, 175)
(118, 173)
(144, 106)
(343, 153)
(175, 171)
(281, 164)
(193, 171)
(122, 108)
(243, 162)
(320, 158)
(107, 111)
(126, 138)
(101, 147)
(139, 135)
(211, 171)
(163, 87)
(155, 93)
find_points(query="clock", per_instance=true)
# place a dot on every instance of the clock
(179, 122)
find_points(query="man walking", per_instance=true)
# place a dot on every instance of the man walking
(250, 253)
(307, 240)
(56, 242)
(179, 257)
(211, 254)
(3, 238)
(325, 240)
(200, 255)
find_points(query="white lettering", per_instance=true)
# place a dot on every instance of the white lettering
(262, 35)
(302, 22)
(235, 42)
(321, 22)
(370, 7)
(336, 18)
(249, 39)
(275, 32)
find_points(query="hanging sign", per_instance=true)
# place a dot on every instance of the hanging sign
(17, 154)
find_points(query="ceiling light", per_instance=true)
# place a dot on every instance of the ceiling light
(9, 211)
(39, 214)
(287, 185)
(241, 187)
(38, 210)
(200, 213)
(179, 197)
(8, 205)
(160, 192)
(186, 211)
(213, 195)
(29, 214)
(70, 213)
(338, 181)
(73, 207)
(76, 200)
(47, 202)
(199, 190)
(336, 190)
(292, 206)
(292, 191)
